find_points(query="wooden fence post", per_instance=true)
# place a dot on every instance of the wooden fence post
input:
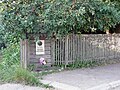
(53, 51)
(24, 49)
(66, 51)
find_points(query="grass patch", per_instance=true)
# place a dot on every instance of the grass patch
(26, 77)
(82, 64)
(19, 75)
(22, 76)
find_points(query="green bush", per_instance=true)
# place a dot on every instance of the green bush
(10, 56)
(57, 17)
(6, 75)
(10, 70)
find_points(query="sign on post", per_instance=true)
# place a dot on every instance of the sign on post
(40, 47)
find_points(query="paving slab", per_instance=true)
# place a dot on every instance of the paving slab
(88, 78)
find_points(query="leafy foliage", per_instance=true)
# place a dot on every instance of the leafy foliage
(20, 17)
(58, 17)
(10, 61)
(10, 56)
(63, 17)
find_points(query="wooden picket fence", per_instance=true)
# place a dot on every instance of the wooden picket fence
(91, 47)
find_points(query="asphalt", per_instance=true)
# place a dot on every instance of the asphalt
(98, 78)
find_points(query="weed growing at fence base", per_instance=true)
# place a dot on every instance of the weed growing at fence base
(81, 64)
(24, 76)
(19, 75)
(87, 63)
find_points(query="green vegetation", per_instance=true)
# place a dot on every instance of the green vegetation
(63, 17)
(88, 63)
(58, 17)
(80, 64)
(83, 64)
(26, 77)
(10, 70)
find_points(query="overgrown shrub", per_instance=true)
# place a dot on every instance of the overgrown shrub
(63, 17)
(10, 70)
(58, 17)
(10, 56)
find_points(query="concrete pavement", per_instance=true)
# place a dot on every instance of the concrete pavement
(98, 78)
(20, 87)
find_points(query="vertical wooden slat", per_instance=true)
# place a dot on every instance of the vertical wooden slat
(56, 52)
(21, 52)
(114, 47)
(98, 46)
(105, 43)
(28, 53)
(77, 48)
(91, 45)
(60, 51)
(24, 52)
(66, 51)
(81, 50)
(53, 51)
(72, 42)
(63, 52)
(68, 47)
(84, 47)
(103, 55)
(73, 48)
(95, 47)
(58, 55)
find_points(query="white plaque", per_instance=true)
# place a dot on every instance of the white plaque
(40, 47)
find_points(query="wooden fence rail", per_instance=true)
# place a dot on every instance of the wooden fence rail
(92, 47)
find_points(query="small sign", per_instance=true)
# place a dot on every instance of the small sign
(40, 47)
